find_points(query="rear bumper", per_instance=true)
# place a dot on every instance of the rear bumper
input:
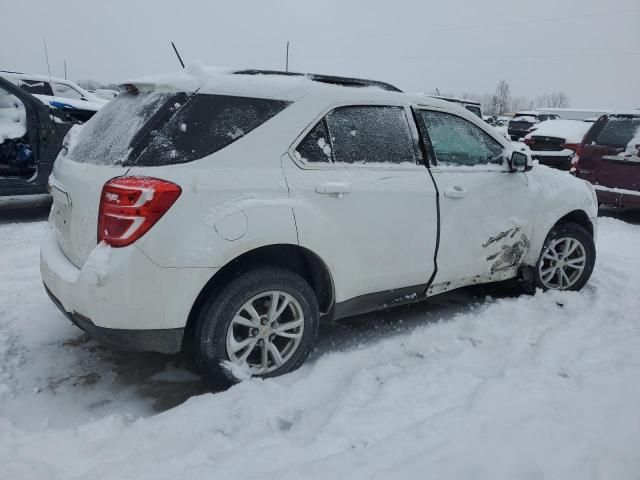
(163, 341)
(517, 132)
(618, 197)
(120, 297)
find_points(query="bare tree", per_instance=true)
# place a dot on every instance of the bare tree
(502, 97)
(558, 100)
(521, 103)
(552, 100)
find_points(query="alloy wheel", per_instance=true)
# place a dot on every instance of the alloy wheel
(265, 332)
(562, 263)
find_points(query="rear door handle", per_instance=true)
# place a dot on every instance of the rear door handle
(455, 192)
(334, 188)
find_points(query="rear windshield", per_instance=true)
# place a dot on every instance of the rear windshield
(148, 129)
(618, 131)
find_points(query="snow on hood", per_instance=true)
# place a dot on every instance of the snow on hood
(525, 118)
(72, 102)
(573, 131)
(199, 77)
(13, 118)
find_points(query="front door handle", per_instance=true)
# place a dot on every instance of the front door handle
(455, 192)
(334, 188)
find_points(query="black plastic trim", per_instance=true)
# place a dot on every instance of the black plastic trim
(157, 340)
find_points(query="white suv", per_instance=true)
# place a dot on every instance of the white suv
(241, 209)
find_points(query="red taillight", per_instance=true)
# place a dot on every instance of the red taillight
(571, 146)
(528, 141)
(130, 206)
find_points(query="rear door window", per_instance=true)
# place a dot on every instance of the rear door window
(316, 146)
(360, 135)
(370, 134)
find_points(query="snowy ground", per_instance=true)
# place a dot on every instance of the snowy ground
(467, 386)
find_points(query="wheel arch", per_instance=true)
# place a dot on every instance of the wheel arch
(578, 217)
(294, 257)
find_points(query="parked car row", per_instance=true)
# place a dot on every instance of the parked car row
(522, 122)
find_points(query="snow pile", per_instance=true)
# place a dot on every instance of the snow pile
(573, 131)
(633, 147)
(532, 387)
(13, 117)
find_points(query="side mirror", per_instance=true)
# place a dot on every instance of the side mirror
(520, 162)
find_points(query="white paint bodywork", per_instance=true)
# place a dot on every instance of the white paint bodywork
(374, 227)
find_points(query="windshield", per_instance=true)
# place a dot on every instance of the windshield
(619, 132)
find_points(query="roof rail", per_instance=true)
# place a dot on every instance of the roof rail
(334, 80)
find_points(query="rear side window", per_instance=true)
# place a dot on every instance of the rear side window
(206, 124)
(618, 131)
(106, 138)
(360, 134)
(151, 129)
(36, 87)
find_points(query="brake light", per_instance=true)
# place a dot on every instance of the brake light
(528, 141)
(130, 206)
(576, 159)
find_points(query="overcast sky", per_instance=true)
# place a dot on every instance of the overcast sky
(589, 49)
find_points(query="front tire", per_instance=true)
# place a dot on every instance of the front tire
(567, 258)
(265, 322)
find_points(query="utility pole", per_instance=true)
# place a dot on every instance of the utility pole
(46, 56)
(286, 63)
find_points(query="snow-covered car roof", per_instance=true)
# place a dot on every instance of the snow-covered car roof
(204, 79)
(573, 131)
(625, 112)
(45, 78)
(528, 113)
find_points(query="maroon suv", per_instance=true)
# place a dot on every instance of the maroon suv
(609, 158)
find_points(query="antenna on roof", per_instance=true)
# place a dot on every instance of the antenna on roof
(65, 69)
(46, 56)
(286, 62)
(177, 54)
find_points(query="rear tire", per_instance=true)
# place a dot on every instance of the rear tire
(241, 314)
(567, 258)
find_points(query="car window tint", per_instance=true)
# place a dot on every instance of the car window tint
(456, 141)
(316, 147)
(618, 131)
(370, 134)
(204, 125)
(36, 87)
